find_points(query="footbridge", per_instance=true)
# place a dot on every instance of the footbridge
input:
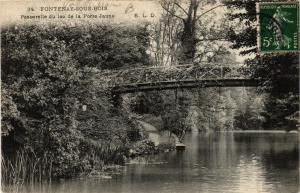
(176, 77)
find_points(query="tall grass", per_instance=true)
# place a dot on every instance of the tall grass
(102, 153)
(24, 168)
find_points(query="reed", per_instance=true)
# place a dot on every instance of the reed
(24, 168)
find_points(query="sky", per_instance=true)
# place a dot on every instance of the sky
(124, 11)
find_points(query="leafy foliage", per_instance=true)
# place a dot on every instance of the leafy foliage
(278, 73)
(250, 117)
(10, 114)
(149, 103)
(107, 47)
(244, 12)
(48, 75)
(174, 115)
(143, 147)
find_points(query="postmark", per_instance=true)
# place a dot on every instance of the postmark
(278, 26)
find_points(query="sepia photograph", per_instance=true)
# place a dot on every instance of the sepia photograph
(150, 96)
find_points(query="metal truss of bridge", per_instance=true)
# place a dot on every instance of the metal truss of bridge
(175, 77)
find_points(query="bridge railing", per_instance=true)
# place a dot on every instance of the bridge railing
(110, 78)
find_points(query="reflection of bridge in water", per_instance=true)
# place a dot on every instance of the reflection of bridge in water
(176, 77)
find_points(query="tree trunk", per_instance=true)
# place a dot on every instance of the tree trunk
(188, 43)
(188, 38)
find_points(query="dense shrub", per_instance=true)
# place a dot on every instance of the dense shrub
(144, 147)
(166, 147)
(49, 78)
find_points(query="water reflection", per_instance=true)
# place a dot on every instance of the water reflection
(215, 162)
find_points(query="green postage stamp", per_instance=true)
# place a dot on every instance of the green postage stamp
(278, 26)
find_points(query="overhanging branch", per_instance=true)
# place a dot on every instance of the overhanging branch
(208, 11)
(172, 13)
(181, 8)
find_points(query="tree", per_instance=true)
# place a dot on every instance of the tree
(278, 73)
(188, 13)
(164, 35)
(43, 78)
(45, 84)
(244, 33)
(249, 114)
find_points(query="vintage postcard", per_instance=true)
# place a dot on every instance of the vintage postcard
(149, 96)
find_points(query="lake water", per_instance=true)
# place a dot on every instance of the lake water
(212, 163)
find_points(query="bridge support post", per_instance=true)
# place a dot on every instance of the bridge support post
(222, 72)
(176, 97)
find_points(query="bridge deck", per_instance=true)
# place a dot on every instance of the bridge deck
(168, 85)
